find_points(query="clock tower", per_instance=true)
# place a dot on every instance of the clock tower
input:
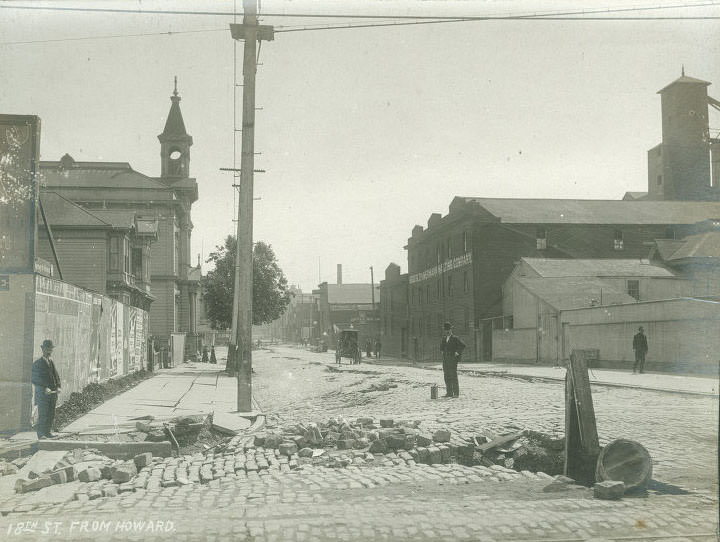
(175, 144)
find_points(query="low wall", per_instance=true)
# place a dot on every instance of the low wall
(96, 338)
(17, 313)
(683, 334)
(514, 344)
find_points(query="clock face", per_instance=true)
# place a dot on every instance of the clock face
(175, 155)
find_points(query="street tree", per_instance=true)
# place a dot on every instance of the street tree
(270, 288)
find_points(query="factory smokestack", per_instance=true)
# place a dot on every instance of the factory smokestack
(339, 273)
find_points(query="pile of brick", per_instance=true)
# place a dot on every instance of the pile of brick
(185, 429)
(364, 437)
(85, 466)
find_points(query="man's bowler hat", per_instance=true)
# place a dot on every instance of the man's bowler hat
(47, 343)
(447, 326)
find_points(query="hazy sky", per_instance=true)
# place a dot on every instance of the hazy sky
(363, 132)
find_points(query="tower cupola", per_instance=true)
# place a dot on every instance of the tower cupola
(175, 143)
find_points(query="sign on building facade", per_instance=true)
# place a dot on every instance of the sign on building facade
(460, 261)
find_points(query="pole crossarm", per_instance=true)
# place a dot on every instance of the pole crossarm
(260, 32)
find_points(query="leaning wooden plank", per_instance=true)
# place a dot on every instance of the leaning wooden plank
(584, 404)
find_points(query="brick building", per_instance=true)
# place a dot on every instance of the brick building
(344, 306)
(458, 264)
(394, 312)
(299, 321)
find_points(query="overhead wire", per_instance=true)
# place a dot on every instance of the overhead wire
(115, 36)
(464, 20)
(234, 13)
(286, 29)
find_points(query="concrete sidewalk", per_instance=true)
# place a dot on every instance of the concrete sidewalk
(697, 385)
(185, 390)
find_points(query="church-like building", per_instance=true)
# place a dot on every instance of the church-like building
(125, 234)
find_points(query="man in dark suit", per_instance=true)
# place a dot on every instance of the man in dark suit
(47, 385)
(452, 349)
(640, 345)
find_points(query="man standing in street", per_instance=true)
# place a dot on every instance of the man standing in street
(47, 385)
(640, 345)
(452, 349)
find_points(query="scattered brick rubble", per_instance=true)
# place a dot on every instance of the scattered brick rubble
(185, 429)
(527, 450)
(336, 443)
(609, 489)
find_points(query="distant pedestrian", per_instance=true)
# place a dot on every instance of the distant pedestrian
(213, 359)
(47, 385)
(368, 347)
(640, 345)
(205, 358)
(452, 348)
(377, 348)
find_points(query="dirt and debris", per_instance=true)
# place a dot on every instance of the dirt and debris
(202, 440)
(383, 386)
(92, 395)
(525, 450)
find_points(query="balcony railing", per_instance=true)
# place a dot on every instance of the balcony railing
(121, 276)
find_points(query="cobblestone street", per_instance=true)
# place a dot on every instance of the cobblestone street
(679, 431)
(389, 498)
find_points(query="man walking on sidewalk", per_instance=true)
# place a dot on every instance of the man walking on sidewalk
(47, 385)
(452, 349)
(640, 345)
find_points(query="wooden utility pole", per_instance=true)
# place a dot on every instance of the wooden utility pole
(373, 325)
(240, 342)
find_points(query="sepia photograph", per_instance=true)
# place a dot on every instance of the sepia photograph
(358, 270)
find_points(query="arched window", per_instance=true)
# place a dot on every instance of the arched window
(175, 162)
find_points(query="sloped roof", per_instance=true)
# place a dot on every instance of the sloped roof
(351, 293)
(118, 218)
(97, 175)
(556, 267)
(573, 211)
(668, 247)
(574, 293)
(705, 246)
(174, 125)
(684, 79)
(633, 196)
(63, 212)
